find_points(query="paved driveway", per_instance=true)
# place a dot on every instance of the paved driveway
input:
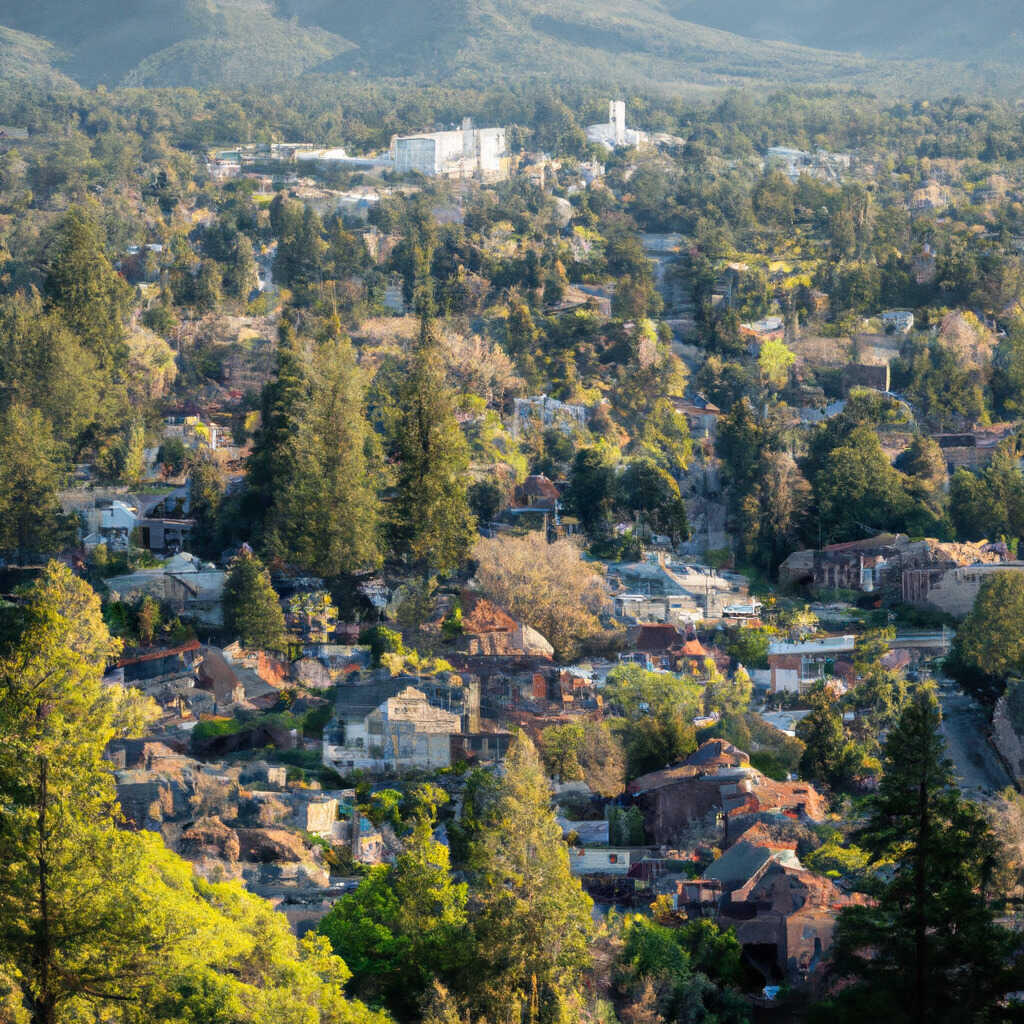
(965, 727)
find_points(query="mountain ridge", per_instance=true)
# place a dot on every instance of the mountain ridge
(631, 44)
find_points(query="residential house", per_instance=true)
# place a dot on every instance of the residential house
(796, 667)
(588, 860)
(880, 564)
(971, 449)
(190, 588)
(488, 629)
(717, 783)
(785, 917)
(951, 590)
(403, 731)
(898, 321)
(702, 415)
(770, 328)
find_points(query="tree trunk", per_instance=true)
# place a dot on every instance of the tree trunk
(920, 1013)
(44, 1007)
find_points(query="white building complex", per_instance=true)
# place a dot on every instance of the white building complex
(466, 152)
(615, 133)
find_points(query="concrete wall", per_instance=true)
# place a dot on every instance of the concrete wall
(956, 589)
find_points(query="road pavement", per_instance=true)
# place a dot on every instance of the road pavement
(965, 726)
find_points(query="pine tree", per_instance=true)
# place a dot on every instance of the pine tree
(430, 523)
(532, 919)
(133, 460)
(326, 510)
(928, 951)
(206, 493)
(405, 927)
(81, 283)
(63, 931)
(252, 611)
(272, 461)
(31, 470)
(97, 922)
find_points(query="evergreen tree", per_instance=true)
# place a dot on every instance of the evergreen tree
(430, 523)
(43, 365)
(928, 950)
(97, 922)
(80, 281)
(252, 611)
(404, 927)
(133, 459)
(31, 470)
(325, 510)
(272, 460)
(206, 493)
(532, 919)
(591, 489)
(63, 928)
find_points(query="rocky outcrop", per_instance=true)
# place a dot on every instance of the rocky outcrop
(269, 845)
(209, 837)
(1008, 729)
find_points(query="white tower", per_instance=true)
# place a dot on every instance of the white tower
(617, 120)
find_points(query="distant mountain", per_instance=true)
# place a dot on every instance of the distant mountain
(675, 43)
(947, 29)
(26, 58)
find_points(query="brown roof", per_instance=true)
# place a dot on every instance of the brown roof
(715, 752)
(538, 487)
(482, 616)
(656, 637)
(694, 649)
(159, 652)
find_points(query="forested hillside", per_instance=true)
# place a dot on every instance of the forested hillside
(676, 44)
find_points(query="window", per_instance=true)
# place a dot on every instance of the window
(613, 858)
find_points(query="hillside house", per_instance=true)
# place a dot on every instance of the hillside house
(796, 667)
(716, 783)
(403, 731)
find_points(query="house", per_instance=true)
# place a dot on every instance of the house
(705, 591)
(747, 856)
(487, 629)
(538, 492)
(971, 449)
(403, 731)
(143, 668)
(678, 609)
(771, 327)
(158, 522)
(785, 916)
(654, 645)
(880, 564)
(952, 590)
(702, 415)
(716, 783)
(191, 589)
(588, 860)
(232, 683)
(898, 321)
(796, 667)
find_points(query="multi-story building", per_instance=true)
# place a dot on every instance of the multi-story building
(466, 152)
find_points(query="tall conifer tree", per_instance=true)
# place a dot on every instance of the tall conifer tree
(430, 523)
(928, 951)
